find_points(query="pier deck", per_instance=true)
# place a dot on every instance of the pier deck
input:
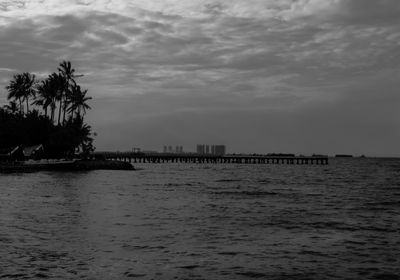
(196, 158)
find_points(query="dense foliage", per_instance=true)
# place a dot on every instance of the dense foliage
(48, 112)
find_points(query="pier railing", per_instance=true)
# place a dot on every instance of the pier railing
(198, 158)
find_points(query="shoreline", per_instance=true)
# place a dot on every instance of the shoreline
(76, 165)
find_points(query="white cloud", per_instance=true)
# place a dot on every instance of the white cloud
(193, 8)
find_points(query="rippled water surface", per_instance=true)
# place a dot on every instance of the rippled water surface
(174, 221)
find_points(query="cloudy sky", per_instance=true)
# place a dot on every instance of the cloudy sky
(301, 76)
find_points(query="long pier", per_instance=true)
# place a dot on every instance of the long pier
(133, 157)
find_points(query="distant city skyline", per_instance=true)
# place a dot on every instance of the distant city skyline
(259, 76)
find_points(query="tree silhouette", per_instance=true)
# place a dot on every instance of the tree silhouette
(21, 88)
(12, 107)
(57, 91)
(16, 90)
(78, 101)
(29, 81)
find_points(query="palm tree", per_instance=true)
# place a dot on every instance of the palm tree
(62, 87)
(29, 81)
(44, 96)
(21, 88)
(67, 71)
(78, 101)
(83, 135)
(58, 91)
(16, 90)
(52, 91)
(69, 75)
(49, 93)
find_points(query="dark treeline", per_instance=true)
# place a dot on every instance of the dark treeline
(48, 112)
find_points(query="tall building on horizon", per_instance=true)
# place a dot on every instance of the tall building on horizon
(218, 150)
(178, 149)
(200, 149)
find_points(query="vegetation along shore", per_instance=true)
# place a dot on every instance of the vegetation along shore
(44, 119)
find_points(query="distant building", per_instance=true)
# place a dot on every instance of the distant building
(200, 149)
(173, 149)
(219, 150)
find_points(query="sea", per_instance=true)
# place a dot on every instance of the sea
(204, 221)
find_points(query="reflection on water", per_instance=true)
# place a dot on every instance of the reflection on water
(204, 222)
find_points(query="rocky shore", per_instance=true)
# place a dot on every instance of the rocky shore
(76, 165)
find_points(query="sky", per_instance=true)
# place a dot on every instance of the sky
(259, 76)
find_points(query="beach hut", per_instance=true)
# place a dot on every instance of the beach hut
(33, 152)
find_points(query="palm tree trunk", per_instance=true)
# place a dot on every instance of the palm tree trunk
(52, 113)
(59, 111)
(65, 108)
(20, 105)
(27, 105)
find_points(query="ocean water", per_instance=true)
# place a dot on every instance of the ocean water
(204, 221)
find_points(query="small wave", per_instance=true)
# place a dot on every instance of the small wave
(343, 226)
(133, 275)
(265, 181)
(386, 276)
(355, 242)
(332, 225)
(183, 184)
(41, 275)
(228, 180)
(172, 184)
(145, 247)
(313, 253)
(384, 203)
(252, 274)
(247, 193)
(190, 267)
(12, 276)
(228, 253)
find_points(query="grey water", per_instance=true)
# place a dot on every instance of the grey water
(204, 221)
